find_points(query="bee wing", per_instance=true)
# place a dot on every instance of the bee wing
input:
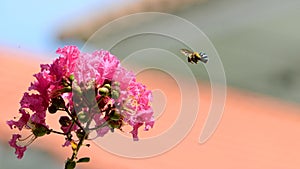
(185, 52)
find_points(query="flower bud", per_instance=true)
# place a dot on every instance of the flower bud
(64, 121)
(71, 78)
(115, 115)
(115, 94)
(76, 90)
(80, 134)
(115, 125)
(116, 84)
(107, 86)
(58, 102)
(83, 118)
(103, 91)
(39, 130)
(52, 109)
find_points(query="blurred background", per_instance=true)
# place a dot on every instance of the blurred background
(257, 41)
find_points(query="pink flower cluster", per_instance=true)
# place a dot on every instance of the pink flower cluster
(89, 89)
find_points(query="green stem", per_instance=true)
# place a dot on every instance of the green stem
(74, 119)
(56, 132)
(102, 125)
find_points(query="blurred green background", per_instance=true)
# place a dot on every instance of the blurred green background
(33, 159)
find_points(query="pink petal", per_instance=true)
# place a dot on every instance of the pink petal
(13, 143)
(21, 122)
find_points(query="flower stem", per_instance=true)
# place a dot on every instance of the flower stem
(100, 126)
(56, 132)
(74, 119)
(81, 139)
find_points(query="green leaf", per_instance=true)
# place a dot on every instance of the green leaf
(84, 160)
(70, 165)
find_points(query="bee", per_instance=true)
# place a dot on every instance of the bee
(194, 57)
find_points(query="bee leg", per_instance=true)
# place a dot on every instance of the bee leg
(189, 59)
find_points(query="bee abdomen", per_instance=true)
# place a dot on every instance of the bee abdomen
(204, 57)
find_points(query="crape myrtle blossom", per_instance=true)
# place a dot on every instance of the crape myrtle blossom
(85, 89)
(19, 149)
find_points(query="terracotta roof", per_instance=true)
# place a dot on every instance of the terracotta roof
(255, 132)
(85, 27)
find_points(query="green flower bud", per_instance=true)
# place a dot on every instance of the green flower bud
(115, 125)
(71, 78)
(80, 134)
(83, 118)
(107, 86)
(103, 91)
(116, 84)
(115, 94)
(77, 90)
(39, 130)
(115, 115)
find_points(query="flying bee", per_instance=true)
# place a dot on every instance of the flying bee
(194, 57)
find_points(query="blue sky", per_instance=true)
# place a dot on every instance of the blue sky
(32, 24)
